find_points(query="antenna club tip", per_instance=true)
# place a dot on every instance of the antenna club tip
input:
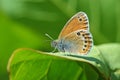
(49, 36)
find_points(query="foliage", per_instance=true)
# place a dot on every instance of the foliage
(97, 65)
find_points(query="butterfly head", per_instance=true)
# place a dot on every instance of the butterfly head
(58, 44)
(54, 43)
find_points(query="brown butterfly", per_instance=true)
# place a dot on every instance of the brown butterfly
(75, 37)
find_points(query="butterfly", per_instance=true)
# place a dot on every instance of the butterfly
(75, 37)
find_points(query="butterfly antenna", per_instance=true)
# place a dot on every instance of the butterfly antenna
(51, 39)
(49, 36)
(54, 50)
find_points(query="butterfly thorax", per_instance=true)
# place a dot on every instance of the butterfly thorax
(63, 45)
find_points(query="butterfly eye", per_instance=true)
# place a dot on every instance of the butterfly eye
(53, 43)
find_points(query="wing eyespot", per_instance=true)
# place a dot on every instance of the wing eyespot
(83, 49)
(85, 23)
(85, 45)
(78, 33)
(85, 19)
(80, 19)
(85, 41)
(83, 35)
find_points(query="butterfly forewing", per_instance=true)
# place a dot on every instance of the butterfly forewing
(77, 22)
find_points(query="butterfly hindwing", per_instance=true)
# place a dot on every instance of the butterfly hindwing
(79, 42)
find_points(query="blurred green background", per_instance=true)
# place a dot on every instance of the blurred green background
(23, 23)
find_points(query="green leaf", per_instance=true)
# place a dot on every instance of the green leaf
(111, 55)
(31, 64)
(98, 64)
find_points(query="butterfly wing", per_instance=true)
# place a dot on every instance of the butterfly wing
(77, 22)
(79, 42)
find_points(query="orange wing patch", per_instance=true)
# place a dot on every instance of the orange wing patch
(77, 22)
